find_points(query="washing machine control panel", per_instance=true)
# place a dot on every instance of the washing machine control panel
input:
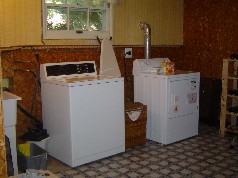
(68, 69)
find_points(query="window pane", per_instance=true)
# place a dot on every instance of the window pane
(78, 2)
(87, 3)
(56, 18)
(55, 1)
(77, 19)
(97, 4)
(95, 19)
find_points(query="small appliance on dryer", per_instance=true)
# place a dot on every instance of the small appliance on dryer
(172, 100)
(82, 112)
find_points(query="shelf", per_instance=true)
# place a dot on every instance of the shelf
(233, 96)
(226, 88)
(232, 113)
(235, 77)
(231, 60)
(232, 129)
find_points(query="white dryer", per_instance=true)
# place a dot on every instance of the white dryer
(172, 100)
(82, 112)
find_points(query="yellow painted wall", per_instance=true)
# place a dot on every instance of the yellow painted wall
(164, 16)
(20, 22)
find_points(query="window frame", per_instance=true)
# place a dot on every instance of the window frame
(71, 34)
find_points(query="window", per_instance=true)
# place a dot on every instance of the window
(76, 19)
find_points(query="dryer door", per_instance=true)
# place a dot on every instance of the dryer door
(183, 97)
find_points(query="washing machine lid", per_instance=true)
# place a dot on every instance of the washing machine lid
(108, 62)
(150, 69)
(67, 70)
(83, 81)
(89, 79)
(177, 75)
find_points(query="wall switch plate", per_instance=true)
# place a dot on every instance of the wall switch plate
(128, 52)
(5, 82)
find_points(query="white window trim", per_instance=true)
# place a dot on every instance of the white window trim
(62, 34)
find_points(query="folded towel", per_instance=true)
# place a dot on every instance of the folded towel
(133, 115)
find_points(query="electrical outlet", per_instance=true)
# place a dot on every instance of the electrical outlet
(128, 52)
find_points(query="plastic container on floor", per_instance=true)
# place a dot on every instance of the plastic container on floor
(31, 156)
(41, 143)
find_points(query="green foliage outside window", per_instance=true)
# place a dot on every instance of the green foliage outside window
(75, 15)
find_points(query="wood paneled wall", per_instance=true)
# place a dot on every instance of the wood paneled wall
(22, 81)
(210, 35)
(3, 164)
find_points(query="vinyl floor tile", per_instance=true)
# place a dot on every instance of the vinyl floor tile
(206, 155)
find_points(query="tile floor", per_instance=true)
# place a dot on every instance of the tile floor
(206, 155)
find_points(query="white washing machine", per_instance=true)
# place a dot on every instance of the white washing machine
(172, 100)
(82, 112)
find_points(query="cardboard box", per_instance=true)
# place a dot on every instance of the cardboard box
(168, 67)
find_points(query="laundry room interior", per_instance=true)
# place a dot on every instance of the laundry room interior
(194, 35)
